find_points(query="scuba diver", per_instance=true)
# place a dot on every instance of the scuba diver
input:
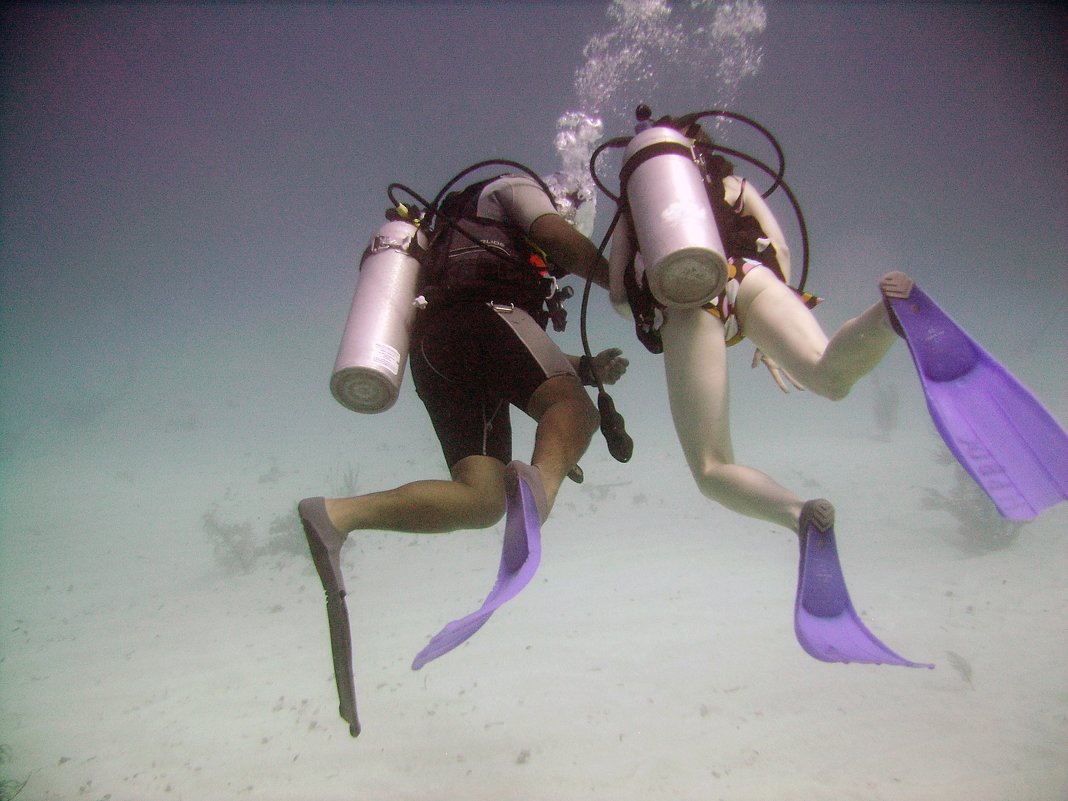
(700, 262)
(753, 299)
(478, 346)
(488, 288)
(758, 303)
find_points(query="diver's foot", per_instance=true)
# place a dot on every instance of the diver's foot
(899, 286)
(818, 513)
(896, 285)
(324, 543)
(532, 475)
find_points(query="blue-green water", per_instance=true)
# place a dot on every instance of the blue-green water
(185, 193)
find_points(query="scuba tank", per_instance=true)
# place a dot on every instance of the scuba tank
(665, 192)
(374, 346)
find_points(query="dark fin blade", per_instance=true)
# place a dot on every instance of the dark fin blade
(313, 517)
(341, 647)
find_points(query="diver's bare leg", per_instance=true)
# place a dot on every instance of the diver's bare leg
(695, 363)
(567, 420)
(778, 323)
(474, 498)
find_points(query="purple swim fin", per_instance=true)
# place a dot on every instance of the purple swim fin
(999, 432)
(520, 556)
(825, 622)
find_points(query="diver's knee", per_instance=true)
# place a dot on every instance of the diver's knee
(484, 510)
(825, 381)
(479, 480)
(564, 394)
(711, 479)
(832, 390)
(589, 417)
(580, 409)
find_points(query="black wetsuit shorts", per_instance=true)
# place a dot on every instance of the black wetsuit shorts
(469, 362)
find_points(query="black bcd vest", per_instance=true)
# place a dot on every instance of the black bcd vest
(472, 258)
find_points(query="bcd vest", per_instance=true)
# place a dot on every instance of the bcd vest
(479, 259)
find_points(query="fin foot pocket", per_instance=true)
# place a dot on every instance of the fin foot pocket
(324, 544)
(895, 285)
(531, 475)
(818, 512)
(825, 592)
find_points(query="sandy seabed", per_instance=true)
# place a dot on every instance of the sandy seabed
(652, 656)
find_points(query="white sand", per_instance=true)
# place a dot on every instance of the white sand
(652, 657)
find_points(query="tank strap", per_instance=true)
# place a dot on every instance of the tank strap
(650, 152)
(407, 245)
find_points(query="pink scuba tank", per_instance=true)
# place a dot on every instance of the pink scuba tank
(374, 346)
(680, 245)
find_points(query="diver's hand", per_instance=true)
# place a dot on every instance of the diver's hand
(609, 365)
(776, 372)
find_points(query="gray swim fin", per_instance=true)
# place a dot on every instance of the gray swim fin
(312, 512)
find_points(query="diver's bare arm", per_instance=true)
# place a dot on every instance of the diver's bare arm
(753, 205)
(568, 248)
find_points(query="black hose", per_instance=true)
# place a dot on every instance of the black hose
(777, 175)
(613, 427)
(433, 211)
(619, 141)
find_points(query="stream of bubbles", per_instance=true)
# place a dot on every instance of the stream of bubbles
(706, 46)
